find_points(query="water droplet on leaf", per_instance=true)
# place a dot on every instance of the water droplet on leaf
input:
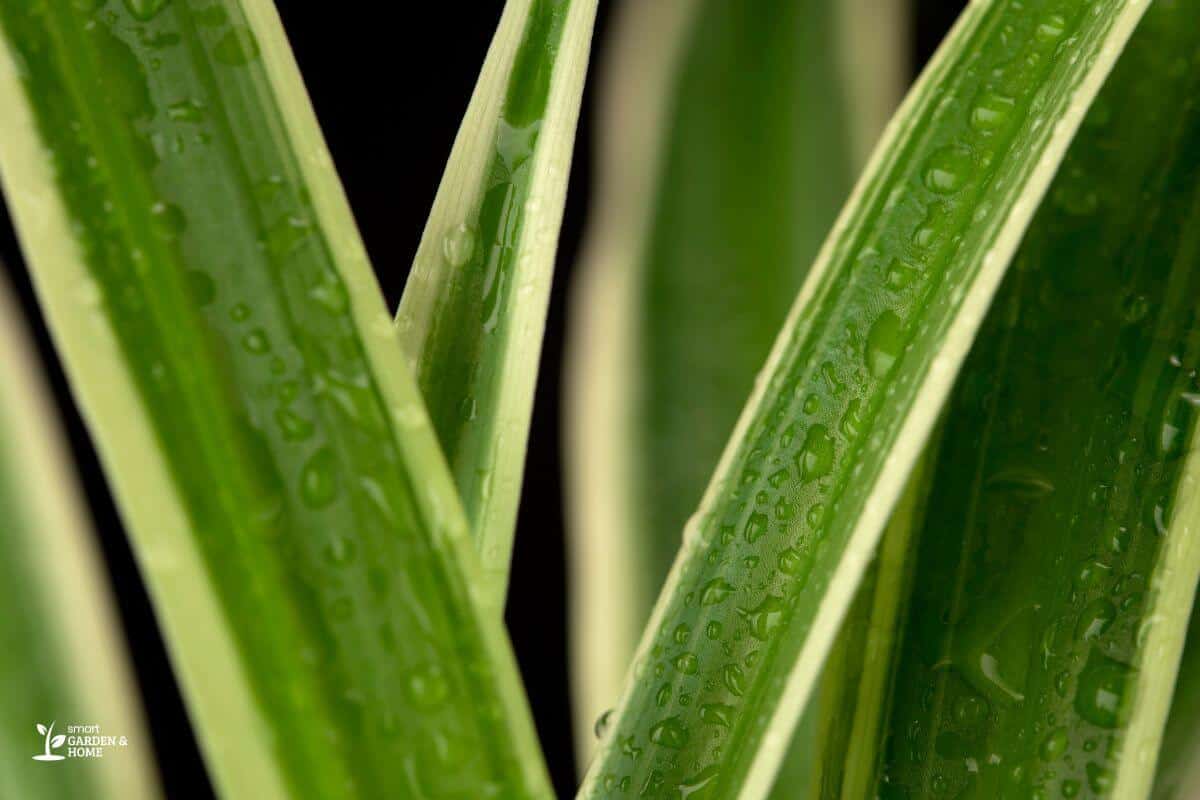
(1100, 695)
(318, 479)
(236, 48)
(145, 10)
(459, 245)
(884, 343)
(947, 170)
(816, 457)
(670, 733)
(715, 591)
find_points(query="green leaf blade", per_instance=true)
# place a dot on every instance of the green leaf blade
(296, 524)
(687, 276)
(850, 394)
(473, 311)
(1058, 563)
(64, 656)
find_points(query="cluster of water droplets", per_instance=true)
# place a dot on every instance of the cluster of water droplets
(1023, 663)
(760, 556)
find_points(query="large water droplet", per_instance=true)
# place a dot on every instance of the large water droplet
(767, 617)
(715, 591)
(793, 562)
(884, 343)
(1100, 695)
(735, 679)
(756, 526)
(1051, 28)
(994, 653)
(318, 479)
(991, 111)
(686, 663)
(459, 245)
(717, 714)
(1100, 778)
(851, 424)
(816, 457)
(236, 48)
(670, 732)
(901, 275)
(1054, 745)
(947, 170)
(1172, 434)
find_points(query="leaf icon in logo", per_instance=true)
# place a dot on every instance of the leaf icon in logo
(41, 729)
(58, 740)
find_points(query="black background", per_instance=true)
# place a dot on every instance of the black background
(390, 82)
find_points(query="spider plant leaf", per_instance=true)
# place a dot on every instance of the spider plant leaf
(299, 532)
(773, 557)
(697, 263)
(65, 657)
(474, 309)
(1058, 559)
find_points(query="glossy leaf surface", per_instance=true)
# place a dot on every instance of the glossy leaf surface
(474, 309)
(1058, 558)
(297, 526)
(773, 557)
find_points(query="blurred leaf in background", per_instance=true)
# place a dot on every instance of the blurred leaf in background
(731, 131)
(62, 654)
